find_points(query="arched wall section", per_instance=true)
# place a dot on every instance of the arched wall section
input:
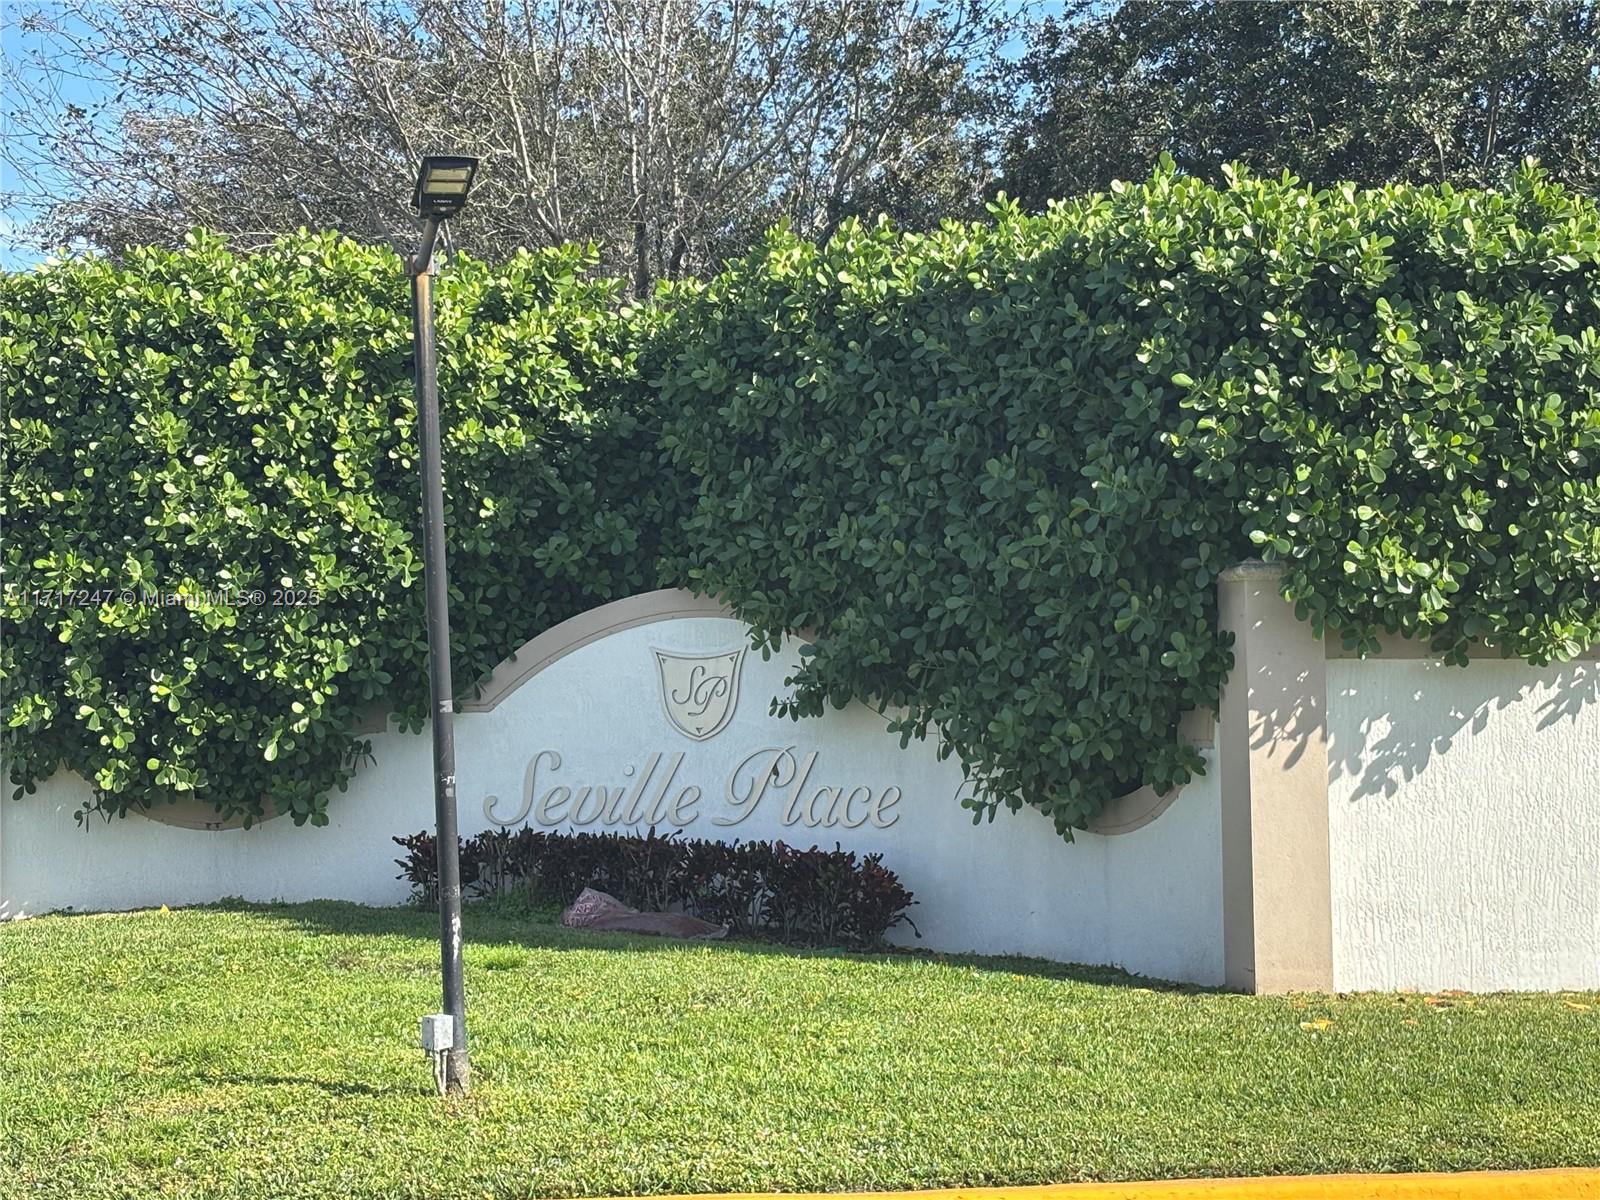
(589, 705)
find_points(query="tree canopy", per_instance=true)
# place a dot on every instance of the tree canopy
(667, 132)
(1373, 91)
(671, 133)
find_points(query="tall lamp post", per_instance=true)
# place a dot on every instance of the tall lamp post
(442, 185)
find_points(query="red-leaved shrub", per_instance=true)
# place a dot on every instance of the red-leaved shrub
(758, 889)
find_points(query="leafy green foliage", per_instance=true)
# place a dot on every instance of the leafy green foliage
(996, 471)
(239, 430)
(1376, 91)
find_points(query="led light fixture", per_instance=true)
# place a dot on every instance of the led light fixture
(443, 181)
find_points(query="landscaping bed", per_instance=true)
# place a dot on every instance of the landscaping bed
(270, 1052)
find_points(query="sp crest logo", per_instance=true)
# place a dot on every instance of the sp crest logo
(699, 691)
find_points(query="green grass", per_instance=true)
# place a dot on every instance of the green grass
(270, 1052)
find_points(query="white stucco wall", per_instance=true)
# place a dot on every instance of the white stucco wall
(1464, 809)
(1148, 900)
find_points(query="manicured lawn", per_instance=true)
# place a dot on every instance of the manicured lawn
(270, 1052)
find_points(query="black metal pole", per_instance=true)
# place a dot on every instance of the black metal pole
(458, 1071)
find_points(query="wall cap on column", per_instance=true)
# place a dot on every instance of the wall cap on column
(1252, 568)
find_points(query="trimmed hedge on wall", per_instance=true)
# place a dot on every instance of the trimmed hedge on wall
(212, 561)
(997, 469)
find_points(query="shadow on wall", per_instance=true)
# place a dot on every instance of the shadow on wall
(1294, 718)
(1418, 709)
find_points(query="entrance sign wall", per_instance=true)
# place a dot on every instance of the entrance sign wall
(1361, 824)
(654, 711)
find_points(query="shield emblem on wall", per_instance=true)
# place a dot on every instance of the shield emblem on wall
(699, 691)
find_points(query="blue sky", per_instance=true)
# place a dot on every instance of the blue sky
(20, 47)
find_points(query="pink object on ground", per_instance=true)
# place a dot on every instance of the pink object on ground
(597, 910)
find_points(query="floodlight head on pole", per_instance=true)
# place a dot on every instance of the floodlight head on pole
(443, 181)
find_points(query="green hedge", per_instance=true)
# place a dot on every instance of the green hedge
(214, 423)
(996, 469)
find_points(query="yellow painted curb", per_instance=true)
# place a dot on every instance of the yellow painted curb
(1466, 1185)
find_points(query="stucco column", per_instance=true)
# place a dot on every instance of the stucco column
(1277, 926)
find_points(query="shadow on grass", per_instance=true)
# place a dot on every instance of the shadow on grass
(490, 923)
(332, 1087)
